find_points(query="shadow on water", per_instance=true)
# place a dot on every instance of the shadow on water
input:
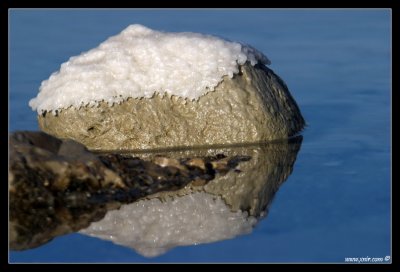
(203, 195)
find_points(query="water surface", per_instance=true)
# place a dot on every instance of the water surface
(337, 65)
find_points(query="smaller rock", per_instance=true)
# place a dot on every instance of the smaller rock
(58, 186)
(197, 162)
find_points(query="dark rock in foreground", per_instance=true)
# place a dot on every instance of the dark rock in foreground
(58, 186)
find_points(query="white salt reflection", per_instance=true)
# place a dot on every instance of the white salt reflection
(152, 227)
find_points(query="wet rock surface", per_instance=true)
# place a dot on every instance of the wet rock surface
(58, 186)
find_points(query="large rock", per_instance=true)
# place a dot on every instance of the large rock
(255, 105)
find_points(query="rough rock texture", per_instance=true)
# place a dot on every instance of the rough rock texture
(48, 181)
(57, 187)
(253, 106)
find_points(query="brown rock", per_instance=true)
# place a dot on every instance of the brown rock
(253, 106)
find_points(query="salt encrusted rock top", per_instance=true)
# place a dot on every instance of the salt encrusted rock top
(139, 62)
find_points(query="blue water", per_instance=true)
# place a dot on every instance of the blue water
(337, 64)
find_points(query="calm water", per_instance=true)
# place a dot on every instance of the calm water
(337, 64)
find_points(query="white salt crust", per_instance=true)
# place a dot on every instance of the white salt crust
(152, 227)
(139, 62)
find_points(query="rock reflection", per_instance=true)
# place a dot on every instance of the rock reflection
(153, 226)
(225, 207)
(151, 202)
